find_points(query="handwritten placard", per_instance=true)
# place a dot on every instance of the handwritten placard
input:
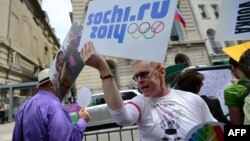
(214, 84)
(234, 21)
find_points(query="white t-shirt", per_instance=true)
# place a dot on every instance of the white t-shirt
(170, 116)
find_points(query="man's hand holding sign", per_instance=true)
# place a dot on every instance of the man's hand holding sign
(140, 30)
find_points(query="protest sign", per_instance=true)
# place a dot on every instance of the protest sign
(73, 110)
(67, 64)
(206, 131)
(83, 100)
(130, 29)
(236, 51)
(84, 97)
(234, 21)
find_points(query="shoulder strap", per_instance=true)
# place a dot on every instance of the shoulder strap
(246, 84)
(214, 106)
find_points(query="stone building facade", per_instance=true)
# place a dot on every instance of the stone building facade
(186, 46)
(206, 14)
(27, 42)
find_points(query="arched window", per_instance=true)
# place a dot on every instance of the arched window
(182, 59)
(215, 45)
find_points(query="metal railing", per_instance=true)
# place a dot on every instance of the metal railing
(129, 133)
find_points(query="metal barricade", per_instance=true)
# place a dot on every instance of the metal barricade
(129, 133)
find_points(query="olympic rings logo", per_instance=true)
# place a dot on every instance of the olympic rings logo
(145, 29)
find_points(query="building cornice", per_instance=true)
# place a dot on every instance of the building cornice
(186, 43)
(40, 15)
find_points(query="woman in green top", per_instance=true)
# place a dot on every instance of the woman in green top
(245, 67)
(235, 94)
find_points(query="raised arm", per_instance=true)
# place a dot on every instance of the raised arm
(91, 58)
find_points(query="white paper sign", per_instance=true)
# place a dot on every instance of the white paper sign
(234, 21)
(129, 28)
(214, 84)
(84, 97)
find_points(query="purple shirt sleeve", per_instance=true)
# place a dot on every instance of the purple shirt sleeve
(61, 128)
(81, 123)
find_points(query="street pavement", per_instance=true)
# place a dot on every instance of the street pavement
(6, 130)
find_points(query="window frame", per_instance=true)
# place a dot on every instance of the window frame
(203, 11)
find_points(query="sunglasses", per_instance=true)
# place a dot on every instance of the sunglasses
(143, 74)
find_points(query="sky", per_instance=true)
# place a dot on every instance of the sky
(59, 19)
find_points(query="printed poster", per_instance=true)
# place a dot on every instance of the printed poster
(67, 64)
(130, 29)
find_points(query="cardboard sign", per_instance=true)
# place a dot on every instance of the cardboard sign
(234, 21)
(67, 64)
(130, 29)
(236, 51)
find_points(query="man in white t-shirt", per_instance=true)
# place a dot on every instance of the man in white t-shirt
(161, 113)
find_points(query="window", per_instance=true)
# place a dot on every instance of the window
(229, 43)
(97, 100)
(86, 8)
(14, 59)
(46, 57)
(242, 41)
(128, 95)
(215, 45)
(182, 59)
(202, 11)
(176, 33)
(216, 11)
(46, 50)
(26, 35)
(87, 5)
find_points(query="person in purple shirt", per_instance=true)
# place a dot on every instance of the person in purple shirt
(43, 118)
